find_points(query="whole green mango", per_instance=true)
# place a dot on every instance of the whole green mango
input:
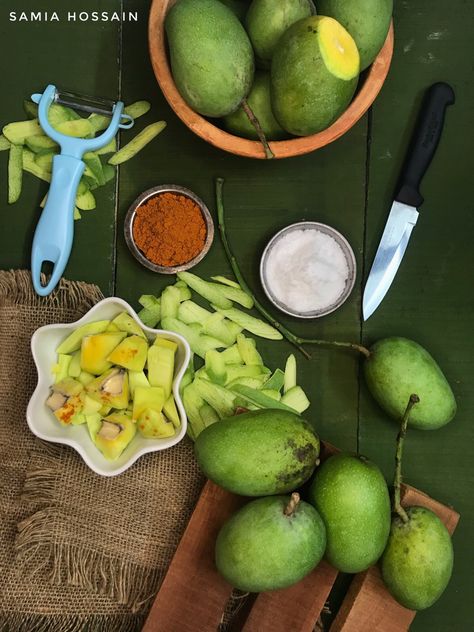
(314, 73)
(211, 56)
(260, 104)
(351, 495)
(418, 561)
(258, 453)
(267, 20)
(270, 543)
(398, 367)
(367, 21)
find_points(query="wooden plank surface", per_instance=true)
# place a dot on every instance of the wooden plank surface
(193, 595)
(296, 608)
(368, 604)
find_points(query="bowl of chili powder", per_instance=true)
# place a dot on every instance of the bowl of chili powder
(168, 229)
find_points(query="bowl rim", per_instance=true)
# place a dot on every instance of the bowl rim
(130, 218)
(35, 398)
(348, 253)
(373, 81)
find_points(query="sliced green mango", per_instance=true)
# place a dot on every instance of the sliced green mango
(152, 397)
(154, 425)
(95, 349)
(131, 353)
(137, 378)
(61, 369)
(125, 322)
(161, 365)
(171, 412)
(111, 389)
(73, 341)
(74, 369)
(114, 435)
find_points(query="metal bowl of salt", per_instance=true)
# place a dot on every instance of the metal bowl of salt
(308, 270)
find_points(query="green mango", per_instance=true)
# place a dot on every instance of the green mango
(259, 102)
(211, 56)
(351, 494)
(314, 73)
(398, 367)
(367, 21)
(267, 20)
(418, 561)
(270, 544)
(258, 453)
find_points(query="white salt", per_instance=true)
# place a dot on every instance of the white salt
(306, 270)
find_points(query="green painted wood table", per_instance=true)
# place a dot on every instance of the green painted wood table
(348, 184)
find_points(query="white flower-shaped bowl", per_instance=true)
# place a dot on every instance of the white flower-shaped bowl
(44, 425)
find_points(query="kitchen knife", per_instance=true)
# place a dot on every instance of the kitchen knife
(404, 214)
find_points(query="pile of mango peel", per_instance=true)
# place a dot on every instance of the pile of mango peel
(32, 151)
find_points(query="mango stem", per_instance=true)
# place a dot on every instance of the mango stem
(397, 506)
(292, 504)
(258, 128)
(286, 333)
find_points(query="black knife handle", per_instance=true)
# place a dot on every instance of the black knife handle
(424, 142)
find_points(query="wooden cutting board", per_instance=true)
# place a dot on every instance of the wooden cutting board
(193, 596)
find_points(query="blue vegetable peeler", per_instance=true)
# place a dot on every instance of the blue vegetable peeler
(54, 233)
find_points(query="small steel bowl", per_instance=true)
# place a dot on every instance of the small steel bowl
(130, 218)
(347, 250)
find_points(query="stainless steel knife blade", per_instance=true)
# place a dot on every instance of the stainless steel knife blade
(395, 238)
(404, 214)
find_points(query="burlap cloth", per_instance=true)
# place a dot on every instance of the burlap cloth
(77, 551)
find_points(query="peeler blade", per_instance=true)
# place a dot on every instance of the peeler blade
(85, 103)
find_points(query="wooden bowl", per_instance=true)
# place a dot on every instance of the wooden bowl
(371, 85)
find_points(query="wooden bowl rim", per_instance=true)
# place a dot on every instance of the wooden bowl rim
(373, 82)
